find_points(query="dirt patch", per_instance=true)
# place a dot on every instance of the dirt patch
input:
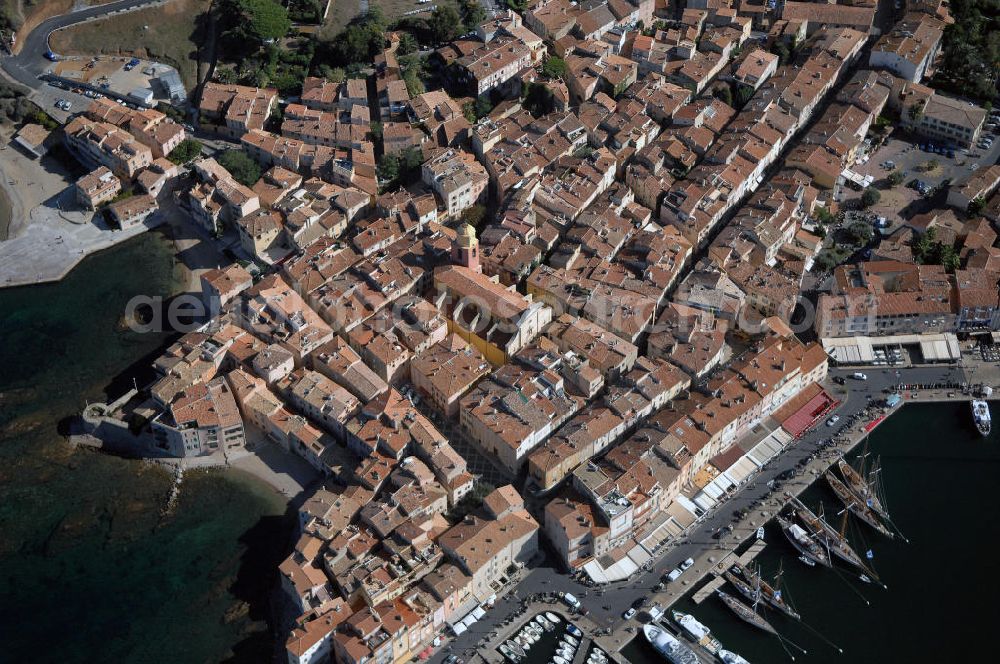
(34, 13)
(173, 33)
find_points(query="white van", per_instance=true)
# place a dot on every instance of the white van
(859, 376)
(571, 601)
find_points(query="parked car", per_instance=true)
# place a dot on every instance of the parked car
(673, 575)
(857, 375)
(49, 55)
(833, 420)
(628, 615)
(686, 565)
(839, 380)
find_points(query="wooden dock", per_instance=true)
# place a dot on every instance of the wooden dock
(727, 561)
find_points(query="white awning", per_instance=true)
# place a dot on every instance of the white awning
(458, 628)
(861, 349)
(479, 612)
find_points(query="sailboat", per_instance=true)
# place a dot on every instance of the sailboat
(763, 590)
(833, 540)
(864, 486)
(803, 543)
(745, 613)
(855, 506)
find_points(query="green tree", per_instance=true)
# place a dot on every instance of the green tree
(407, 44)
(860, 233)
(823, 215)
(538, 100)
(332, 74)
(388, 168)
(870, 196)
(472, 13)
(263, 20)
(241, 166)
(949, 258)
(445, 23)
(186, 151)
(554, 67)
(474, 216)
(478, 109)
(895, 178)
(723, 93)
(412, 159)
(743, 95)
(924, 246)
(976, 206)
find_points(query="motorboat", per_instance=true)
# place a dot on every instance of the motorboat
(515, 648)
(552, 618)
(574, 630)
(981, 415)
(509, 653)
(560, 660)
(729, 657)
(546, 625)
(669, 647)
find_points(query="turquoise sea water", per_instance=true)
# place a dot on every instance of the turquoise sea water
(89, 570)
(940, 479)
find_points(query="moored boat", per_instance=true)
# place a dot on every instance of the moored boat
(745, 613)
(515, 647)
(697, 631)
(981, 416)
(552, 618)
(834, 541)
(546, 625)
(559, 660)
(809, 562)
(574, 631)
(729, 657)
(856, 506)
(759, 587)
(861, 488)
(668, 646)
(803, 543)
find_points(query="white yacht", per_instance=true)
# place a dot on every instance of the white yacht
(981, 414)
(669, 646)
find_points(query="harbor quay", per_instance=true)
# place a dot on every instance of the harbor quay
(860, 415)
(804, 461)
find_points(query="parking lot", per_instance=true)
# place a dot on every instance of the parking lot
(47, 95)
(904, 153)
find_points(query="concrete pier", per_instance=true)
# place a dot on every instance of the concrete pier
(728, 561)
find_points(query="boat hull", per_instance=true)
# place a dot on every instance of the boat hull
(855, 507)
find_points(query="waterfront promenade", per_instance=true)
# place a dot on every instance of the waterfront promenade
(605, 604)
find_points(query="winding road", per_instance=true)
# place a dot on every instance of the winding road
(30, 62)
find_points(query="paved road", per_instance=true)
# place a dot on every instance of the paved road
(606, 604)
(26, 66)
